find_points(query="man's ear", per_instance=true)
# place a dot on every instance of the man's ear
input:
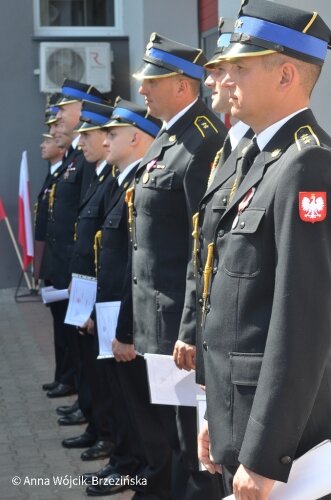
(288, 74)
(182, 85)
(134, 138)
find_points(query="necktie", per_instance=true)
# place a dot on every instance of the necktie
(226, 150)
(68, 152)
(244, 164)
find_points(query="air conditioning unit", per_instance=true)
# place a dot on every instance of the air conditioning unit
(84, 62)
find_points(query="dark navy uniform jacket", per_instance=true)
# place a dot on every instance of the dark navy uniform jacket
(74, 178)
(170, 181)
(113, 256)
(41, 206)
(266, 336)
(40, 221)
(89, 220)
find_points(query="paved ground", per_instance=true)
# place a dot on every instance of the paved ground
(30, 438)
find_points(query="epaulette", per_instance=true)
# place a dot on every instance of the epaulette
(305, 136)
(204, 124)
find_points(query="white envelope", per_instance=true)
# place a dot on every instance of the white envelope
(82, 297)
(107, 316)
(168, 384)
(50, 294)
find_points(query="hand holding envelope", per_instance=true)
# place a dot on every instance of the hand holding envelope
(310, 476)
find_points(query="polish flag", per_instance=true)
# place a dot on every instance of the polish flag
(25, 235)
(3, 214)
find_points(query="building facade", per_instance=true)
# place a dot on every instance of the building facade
(83, 30)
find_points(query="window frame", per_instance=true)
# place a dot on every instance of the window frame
(78, 31)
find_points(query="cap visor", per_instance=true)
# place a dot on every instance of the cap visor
(238, 50)
(115, 123)
(149, 71)
(86, 127)
(50, 120)
(212, 63)
(66, 100)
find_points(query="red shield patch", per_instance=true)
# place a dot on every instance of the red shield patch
(312, 206)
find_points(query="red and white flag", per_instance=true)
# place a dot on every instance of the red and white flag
(25, 235)
(3, 213)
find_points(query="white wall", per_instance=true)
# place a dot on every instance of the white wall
(228, 8)
(175, 19)
(321, 102)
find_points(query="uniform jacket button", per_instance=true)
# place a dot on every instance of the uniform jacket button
(285, 460)
(135, 246)
(137, 180)
(242, 224)
(224, 200)
(134, 279)
(205, 345)
(110, 222)
(200, 302)
(203, 206)
(221, 233)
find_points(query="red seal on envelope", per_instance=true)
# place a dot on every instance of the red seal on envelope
(312, 206)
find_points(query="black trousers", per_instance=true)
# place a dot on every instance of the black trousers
(65, 364)
(126, 457)
(154, 447)
(168, 438)
(94, 399)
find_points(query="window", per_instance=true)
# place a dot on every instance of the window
(77, 17)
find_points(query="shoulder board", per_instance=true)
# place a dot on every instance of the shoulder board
(204, 125)
(305, 136)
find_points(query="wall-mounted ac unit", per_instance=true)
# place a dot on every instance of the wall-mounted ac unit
(83, 62)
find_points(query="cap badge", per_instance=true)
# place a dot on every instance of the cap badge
(238, 23)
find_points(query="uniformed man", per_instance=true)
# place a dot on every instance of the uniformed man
(266, 338)
(184, 357)
(92, 403)
(74, 176)
(53, 153)
(130, 133)
(170, 181)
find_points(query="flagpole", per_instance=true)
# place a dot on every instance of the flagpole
(12, 237)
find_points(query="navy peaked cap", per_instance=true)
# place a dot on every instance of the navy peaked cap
(165, 57)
